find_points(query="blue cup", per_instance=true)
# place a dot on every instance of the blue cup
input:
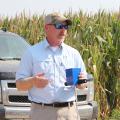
(72, 75)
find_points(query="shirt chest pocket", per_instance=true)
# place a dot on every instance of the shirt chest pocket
(43, 66)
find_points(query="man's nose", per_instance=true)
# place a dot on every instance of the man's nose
(63, 29)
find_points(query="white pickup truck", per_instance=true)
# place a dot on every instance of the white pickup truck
(14, 104)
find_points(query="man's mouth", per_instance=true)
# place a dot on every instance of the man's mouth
(62, 34)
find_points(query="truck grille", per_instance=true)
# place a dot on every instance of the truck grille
(18, 98)
(11, 85)
(11, 96)
(81, 97)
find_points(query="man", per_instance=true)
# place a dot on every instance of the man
(42, 73)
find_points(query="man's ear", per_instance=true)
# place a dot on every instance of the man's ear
(46, 27)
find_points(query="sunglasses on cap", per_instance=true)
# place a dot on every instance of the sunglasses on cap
(60, 26)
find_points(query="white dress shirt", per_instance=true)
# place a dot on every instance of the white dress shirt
(41, 58)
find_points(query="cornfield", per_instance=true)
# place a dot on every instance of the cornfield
(97, 38)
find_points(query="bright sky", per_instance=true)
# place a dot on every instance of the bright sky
(13, 7)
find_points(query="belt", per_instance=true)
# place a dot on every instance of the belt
(56, 104)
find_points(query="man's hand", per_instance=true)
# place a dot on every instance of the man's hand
(40, 81)
(81, 77)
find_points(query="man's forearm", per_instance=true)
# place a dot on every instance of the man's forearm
(25, 84)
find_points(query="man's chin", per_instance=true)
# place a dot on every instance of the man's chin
(59, 43)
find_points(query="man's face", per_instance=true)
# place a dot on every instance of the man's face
(56, 33)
